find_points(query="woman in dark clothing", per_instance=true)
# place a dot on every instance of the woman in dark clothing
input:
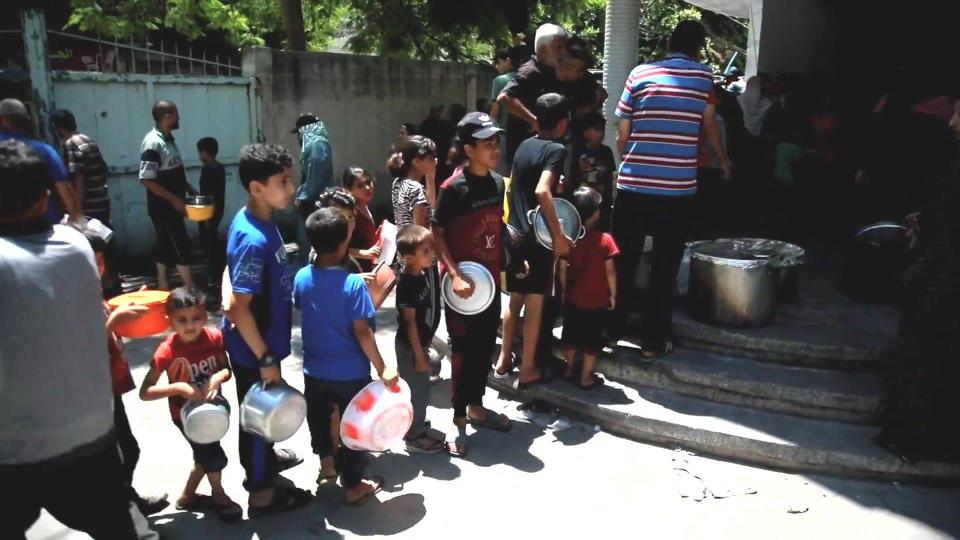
(920, 419)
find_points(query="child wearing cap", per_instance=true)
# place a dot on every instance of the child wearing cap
(467, 226)
(589, 281)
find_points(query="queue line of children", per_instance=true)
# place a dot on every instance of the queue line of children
(338, 318)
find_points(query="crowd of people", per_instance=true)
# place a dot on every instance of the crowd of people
(451, 206)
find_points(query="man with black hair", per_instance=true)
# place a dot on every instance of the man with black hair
(661, 111)
(163, 174)
(58, 450)
(258, 317)
(88, 171)
(16, 124)
(537, 168)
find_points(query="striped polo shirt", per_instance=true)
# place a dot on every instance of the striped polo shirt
(665, 100)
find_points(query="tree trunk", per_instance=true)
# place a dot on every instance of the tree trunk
(293, 21)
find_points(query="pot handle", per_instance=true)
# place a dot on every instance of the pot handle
(530, 216)
(583, 232)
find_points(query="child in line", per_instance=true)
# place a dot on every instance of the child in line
(589, 281)
(195, 363)
(258, 317)
(338, 349)
(363, 242)
(122, 382)
(592, 164)
(467, 226)
(213, 183)
(415, 317)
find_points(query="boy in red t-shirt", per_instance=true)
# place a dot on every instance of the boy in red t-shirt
(195, 363)
(589, 281)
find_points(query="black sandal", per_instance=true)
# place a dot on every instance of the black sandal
(284, 500)
(596, 382)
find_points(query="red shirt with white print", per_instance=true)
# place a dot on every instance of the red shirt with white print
(192, 363)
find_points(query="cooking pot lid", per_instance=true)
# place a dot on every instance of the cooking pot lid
(569, 222)
(484, 289)
(776, 252)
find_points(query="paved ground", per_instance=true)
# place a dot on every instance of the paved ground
(535, 480)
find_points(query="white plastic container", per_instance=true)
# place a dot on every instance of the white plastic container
(377, 418)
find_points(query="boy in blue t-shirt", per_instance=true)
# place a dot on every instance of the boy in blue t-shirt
(338, 348)
(257, 322)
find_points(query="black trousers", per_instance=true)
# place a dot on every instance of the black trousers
(216, 251)
(173, 242)
(129, 449)
(256, 453)
(472, 342)
(666, 220)
(84, 490)
(322, 396)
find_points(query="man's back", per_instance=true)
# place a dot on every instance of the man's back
(316, 162)
(665, 101)
(82, 155)
(55, 390)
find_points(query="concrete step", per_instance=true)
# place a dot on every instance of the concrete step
(740, 433)
(822, 328)
(801, 391)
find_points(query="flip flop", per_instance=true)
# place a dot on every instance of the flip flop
(492, 421)
(422, 444)
(378, 487)
(286, 459)
(454, 448)
(517, 385)
(199, 503)
(649, 356)
(597, 381)
(230, 512)
(498, 375)
(284, 500)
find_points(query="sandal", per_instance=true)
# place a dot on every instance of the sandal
(458, 448)
(286, 459)
(284, 500)
(650, 356)
(197, 504)
(377, 488)
(596, 381)
(491, 420)
(422, 444)
(229, 512)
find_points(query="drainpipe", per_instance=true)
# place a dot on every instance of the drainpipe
(621, 34)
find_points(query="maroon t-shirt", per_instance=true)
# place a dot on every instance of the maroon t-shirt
(364, 236)
(470, 209)
(587, 286)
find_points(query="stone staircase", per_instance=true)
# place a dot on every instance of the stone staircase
(802, 394)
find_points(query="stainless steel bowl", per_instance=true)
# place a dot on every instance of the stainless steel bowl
(205, 422)
(569, 221)
(274, 413)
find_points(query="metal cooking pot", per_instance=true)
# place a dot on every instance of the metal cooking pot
(731, 287)
(274, 413)
(786, 259)
(205, 422)
(569, 221)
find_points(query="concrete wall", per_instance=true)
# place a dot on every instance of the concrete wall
(361, 99)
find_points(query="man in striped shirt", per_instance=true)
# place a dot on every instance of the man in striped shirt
(88, 171)
(664, 106)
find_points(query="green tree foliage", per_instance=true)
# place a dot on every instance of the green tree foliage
(423, 29)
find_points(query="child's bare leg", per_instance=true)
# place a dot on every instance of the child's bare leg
(163, 282)
(193, 482)
(532, 318)
(186, 274)
(216, 488)
(589, 363)
(510, 319)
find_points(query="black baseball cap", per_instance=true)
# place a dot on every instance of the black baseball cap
(477, 126)
(304, 119)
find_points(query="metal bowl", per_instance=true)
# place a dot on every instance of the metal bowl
(205, 422)
(274, 413)
(569, 221)
(484, 289)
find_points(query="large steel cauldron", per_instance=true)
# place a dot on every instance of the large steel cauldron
(731, 286)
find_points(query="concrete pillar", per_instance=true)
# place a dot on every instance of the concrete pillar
(34, 27)
(621, 33)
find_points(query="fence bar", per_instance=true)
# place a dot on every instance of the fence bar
(161, 57)
(133, 57)
(176, 51)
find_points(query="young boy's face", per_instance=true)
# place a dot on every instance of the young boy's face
(504, 65)
(188, 322)
(421, 258)
(362, 189)
(485, 153)
(593, 135)
(571, 70)
(277, 191)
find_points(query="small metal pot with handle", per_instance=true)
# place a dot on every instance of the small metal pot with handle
(569, 218)
(205, 422)
(274, 413)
